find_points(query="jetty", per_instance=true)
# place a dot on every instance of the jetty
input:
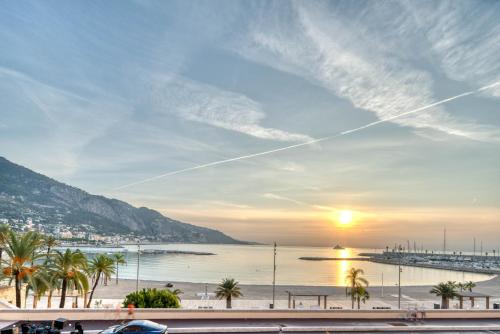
(316, 258)
(172, 252)
(454, 262)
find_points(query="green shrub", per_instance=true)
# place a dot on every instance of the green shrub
(152, 298)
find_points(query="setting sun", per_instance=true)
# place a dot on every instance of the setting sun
(345, 217)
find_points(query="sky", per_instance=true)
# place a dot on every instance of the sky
(124, 98)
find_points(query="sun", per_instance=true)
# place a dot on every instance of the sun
(345, 217)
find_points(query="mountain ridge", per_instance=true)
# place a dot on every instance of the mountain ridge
(26, 193)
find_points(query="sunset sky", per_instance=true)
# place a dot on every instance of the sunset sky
(108, 96)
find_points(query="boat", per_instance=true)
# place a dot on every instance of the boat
(338, 247)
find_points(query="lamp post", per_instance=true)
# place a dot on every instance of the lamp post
(274, 275)
(382, 293)
(138, 263)
(399, 282)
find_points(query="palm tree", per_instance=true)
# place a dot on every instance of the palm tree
(53, 284)
(22, 251)
(228, 289)
(50, 242)
(100, 265)
(446, 291)
(354, 281)
(39, 284)
(362, 295)
(119, 259)
(4, 235)
(469, 286)
(70, 268)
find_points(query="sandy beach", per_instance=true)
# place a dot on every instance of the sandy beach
(259, 296)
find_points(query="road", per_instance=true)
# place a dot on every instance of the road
(271, 326)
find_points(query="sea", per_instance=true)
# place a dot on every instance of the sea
(253, 264)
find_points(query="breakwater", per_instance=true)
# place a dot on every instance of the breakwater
(454, 262)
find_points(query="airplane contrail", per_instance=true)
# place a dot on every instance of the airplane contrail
(317, 140)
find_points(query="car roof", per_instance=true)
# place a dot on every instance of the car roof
(147, 323)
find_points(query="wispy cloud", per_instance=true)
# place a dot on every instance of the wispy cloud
(312, 141)
(199, 102)
(466, 49)
(66, 120)
(301, 203)
(310, 40)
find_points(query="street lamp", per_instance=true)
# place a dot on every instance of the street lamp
(399, 281)
(274, 275)
(138, 262)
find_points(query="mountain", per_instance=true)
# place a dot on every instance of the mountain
(26, 194)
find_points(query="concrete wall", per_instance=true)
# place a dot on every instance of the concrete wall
(166, 314)
(8, 295)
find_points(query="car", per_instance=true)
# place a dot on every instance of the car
(136, 327)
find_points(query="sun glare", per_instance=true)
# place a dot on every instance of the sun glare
(345, 217)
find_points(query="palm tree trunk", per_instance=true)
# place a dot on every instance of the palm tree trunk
(359, 303)
(117, 273)
(228, 302)
(18, 292)
(49, 299)
(35, 300)
(93, 289)
(352, 298)
(85, 298)
(64, 287)
(443, 303)
(26, 295)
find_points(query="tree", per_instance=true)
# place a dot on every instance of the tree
(354, 281)
(152, 298)
(22, 251)
(53, 284)
(100, 265)
(469, 286)
(39, 284)
(228, 289)
(361, 295)
(4, 235)
(50, 242)
(446, 291)
(119, 259)
(70, 268)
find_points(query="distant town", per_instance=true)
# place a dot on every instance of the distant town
(81, 234)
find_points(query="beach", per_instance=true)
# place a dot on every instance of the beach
(260, 296)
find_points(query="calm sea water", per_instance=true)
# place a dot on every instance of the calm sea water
(254, 265)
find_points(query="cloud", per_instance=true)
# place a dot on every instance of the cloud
(301, 203)
(464, 37)
(341, 54)
(310, 142)
(61, 121)
(202, 103)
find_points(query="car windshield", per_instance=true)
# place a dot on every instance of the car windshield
(153, 325)
(118, 328)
